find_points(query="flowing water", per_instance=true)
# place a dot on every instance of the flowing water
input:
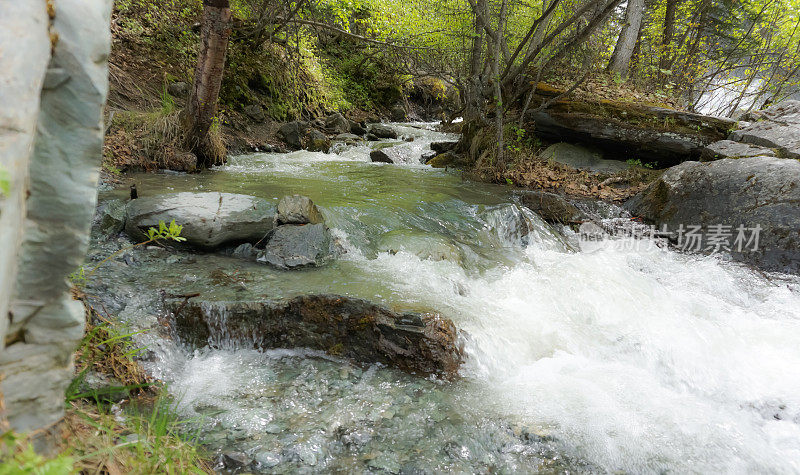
(617, 355)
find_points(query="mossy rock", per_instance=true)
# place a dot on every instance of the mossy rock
(444, 160)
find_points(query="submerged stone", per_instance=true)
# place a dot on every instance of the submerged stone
(342, 326)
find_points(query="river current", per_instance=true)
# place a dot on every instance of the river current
(618, 355)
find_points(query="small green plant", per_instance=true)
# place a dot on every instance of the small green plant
(170, 232)
(17, 456)
(633, 163)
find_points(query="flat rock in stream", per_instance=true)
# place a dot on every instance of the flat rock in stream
(351, 328)
(551, 207)
(209, 220)
(382, 131)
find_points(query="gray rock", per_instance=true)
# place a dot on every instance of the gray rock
(245, 251)
(731, 149)
(663, 135)
(380, 156)
(291, 246)
(779, 128)
(337, 124)
(583, 158)
(749, 192)
(442, 147)
(297, 209)
(178, 89)
(551, 207)
(424, 245)
(357, 129)
(348, 138)
(294, 134)
(110, 217)
(255, 112)
(209, 220)
(343, 326)
(318, 142)
(234, 460)
(383, 131)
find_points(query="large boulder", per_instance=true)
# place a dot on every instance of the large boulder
(291, 246)
(778, 127)
(337, 124)
(383, 131)
(316, 141)
(294, 134)
(342, 326)
(581, 157)
(663, 135)
(209, 220)
(731, 149)
(297, 209)
(748, 192)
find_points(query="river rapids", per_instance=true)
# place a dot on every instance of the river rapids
(616, 355)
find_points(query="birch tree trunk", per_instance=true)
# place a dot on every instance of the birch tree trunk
(201, 109)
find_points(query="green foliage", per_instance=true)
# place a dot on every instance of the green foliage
(17, 457)
(168, 232)
(633, 163)
(518, 140)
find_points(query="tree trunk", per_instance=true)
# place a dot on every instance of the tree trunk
(623, 51)
(201, 109)
(498, 92)
(669, 33)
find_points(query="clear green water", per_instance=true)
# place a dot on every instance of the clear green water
(618, 357)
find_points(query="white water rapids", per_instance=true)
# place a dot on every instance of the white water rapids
(633, 357)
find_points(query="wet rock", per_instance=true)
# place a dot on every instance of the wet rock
(110, 217)
(297, 209)
(178, 89)
(337, 124)
(245, 251)
(342, 326)
(398, 114)
(748, 192)
(778, 128)
(232, 460)
(357, 129)
(444, 160)
(294, 134)
(372, 138)
(255, 112)
(266, 460)
(380, 156)
(442, 147)
(318, 142)
(427, 157)
(101, 387)
(582, 158)
(383, 131)
(348, 138)
(209, 220)
(551, 207)
(291, 246)
(663, 135)
(731, 149)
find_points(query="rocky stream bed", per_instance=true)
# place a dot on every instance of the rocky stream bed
(355, 316)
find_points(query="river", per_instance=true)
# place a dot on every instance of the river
(617, 355)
